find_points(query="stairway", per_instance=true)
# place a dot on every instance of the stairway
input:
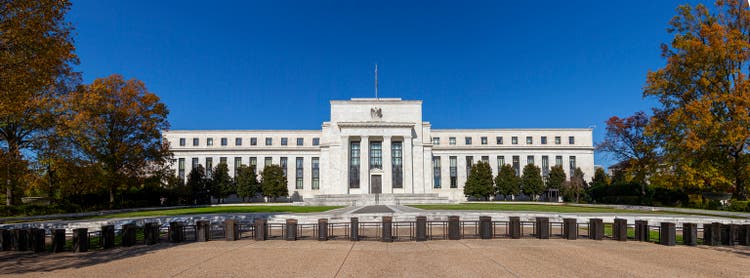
(376, 199)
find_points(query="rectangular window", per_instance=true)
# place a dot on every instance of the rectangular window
(283, 164)
(468, 140)
(486, 159)
(283, 141)
(397, 176)
(237, 164)
(181, 168)
(514, 140)
(571, 140)
(499, 140)
(182, 142)
(209, 142)
(354, 165)
(451, 140)
(572, 165)
(238, 141)
(315, 173)
(529, 140)
(300, 141)
(544, 140)
(558, 160)
(469, 163)
(557, 140)
(454, 171)
(300, 181)
(196, 142)
(316, 141)
(376, 155)
(545, 165)
(195, 163)
(224, 141)
(267, 161)
(517, 165)
(253, 141)
(254, 164)
(436, 171)
(530, 160)
(436, 140)
(500, 162)
(209, 166)
(269, 141)
(484, 140)
(222, 160)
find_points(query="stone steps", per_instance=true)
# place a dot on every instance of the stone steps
(373, 199)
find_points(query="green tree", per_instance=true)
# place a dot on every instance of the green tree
(247, 182)
(222, 184)
(600, 177)
(556, 177)
(575, 187)
(703, 116)
(274, 183)
(118, 123)
(506, 182)
(36, 60)
(198, 186)
(531, 180)
(479, 182)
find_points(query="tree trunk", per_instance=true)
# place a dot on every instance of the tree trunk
(111, 197)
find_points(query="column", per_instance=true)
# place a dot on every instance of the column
(408, 153)
(364, 165)
(387, 165)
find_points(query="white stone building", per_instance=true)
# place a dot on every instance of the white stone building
(381, 146)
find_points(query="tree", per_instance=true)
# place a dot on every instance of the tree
(506, 182)
(274, 182)
(221, 183)
(703, 117)
(479, 182)
(36, 59)
(118, 123)
(556, 177)
(573, 188)
(627, 140)
(531, 180)
(247, 182)
(600, 177)
(198, 186)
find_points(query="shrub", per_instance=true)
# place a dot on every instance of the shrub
(741, 206)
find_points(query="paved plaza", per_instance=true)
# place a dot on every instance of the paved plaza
(442, 258)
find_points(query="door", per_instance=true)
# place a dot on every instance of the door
(376, 184)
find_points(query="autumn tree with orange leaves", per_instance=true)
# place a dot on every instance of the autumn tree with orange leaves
(703, 120)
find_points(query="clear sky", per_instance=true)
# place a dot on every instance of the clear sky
(475, 64)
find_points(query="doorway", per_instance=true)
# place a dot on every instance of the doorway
(376, 184)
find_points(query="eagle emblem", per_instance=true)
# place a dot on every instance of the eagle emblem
(376, 113)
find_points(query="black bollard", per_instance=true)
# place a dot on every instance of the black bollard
(151, 233)
(690, 234)
(58, 240)
(322, 229)
(354, 227)
(421, 229)
(387, 229)
(128, 234)
(641, 231)
(485, 227)
(21, 239)
(542, 228)
(620, 229)
(231, 230)
(260, 229)
(744, 234)
(80, 240)
(712, 233)
(38, 238)
(514, 227)
(728, 234)
(570, 228)
(291, 229)
(6, 240)
(667, 234)
(176, 232)
(203, 230)
(108, 236)
(454, 227)
(596, 228)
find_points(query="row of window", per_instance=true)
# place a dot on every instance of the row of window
(253, 162)
(516, 164)
(253, 141)
(376, 162)
(499, 140)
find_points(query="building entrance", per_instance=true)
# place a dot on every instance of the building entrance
(376, 184)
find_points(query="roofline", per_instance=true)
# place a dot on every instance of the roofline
(241, 131)
(510, 129)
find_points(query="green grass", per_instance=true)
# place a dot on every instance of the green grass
(223, 209)
(528, 207)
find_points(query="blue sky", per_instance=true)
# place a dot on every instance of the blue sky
(475, 64)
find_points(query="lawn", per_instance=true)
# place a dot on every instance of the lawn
(223, 209)
(528, 207)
